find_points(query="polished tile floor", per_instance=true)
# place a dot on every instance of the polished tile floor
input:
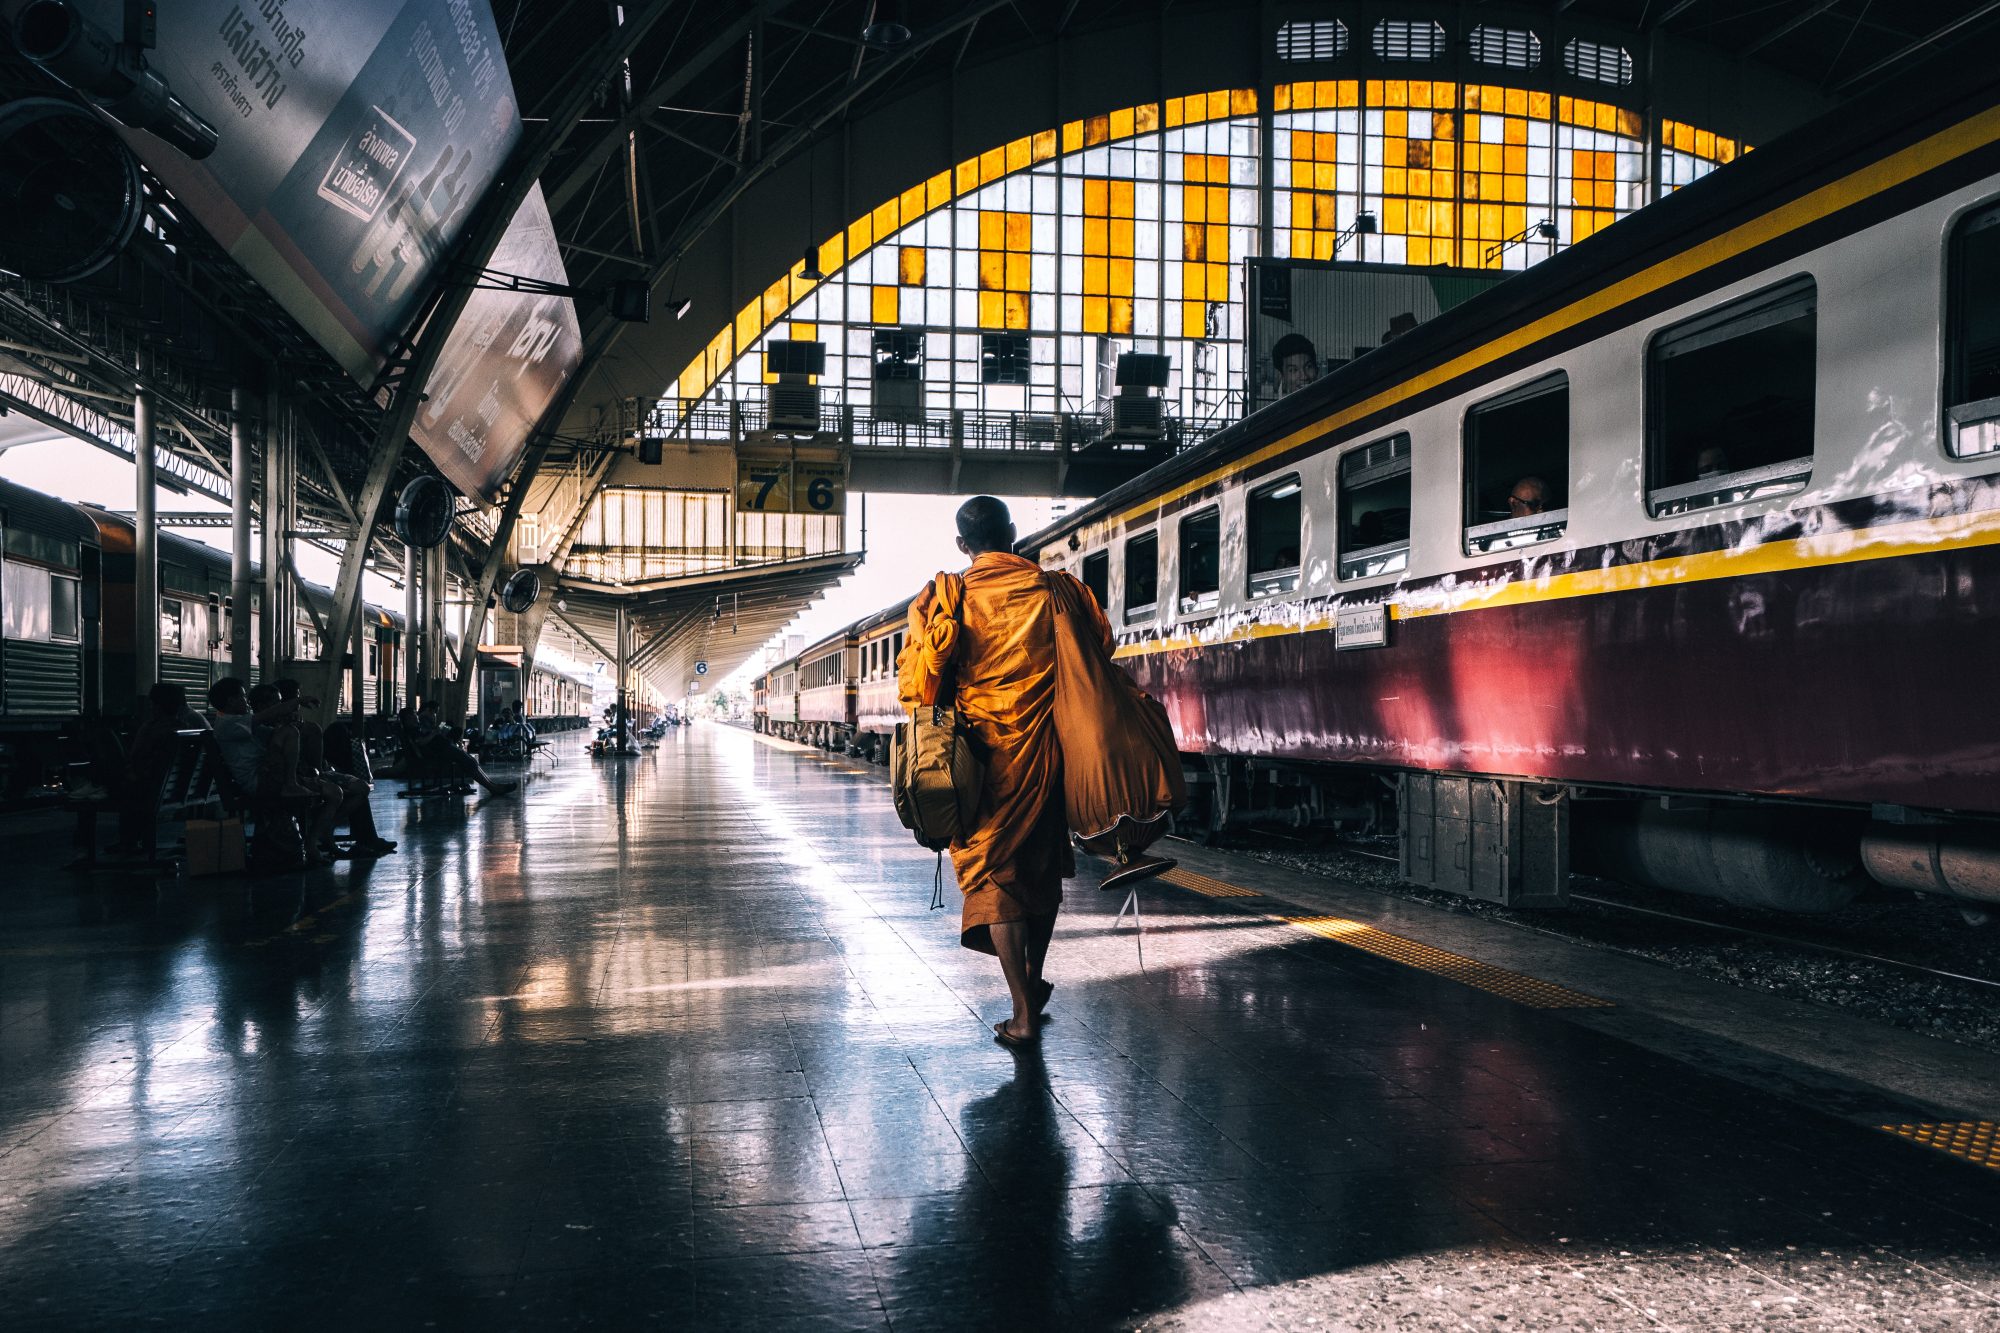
(674, 1042)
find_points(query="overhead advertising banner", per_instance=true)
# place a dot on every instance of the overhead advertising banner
(507, 357)
(1308, 317)
(355, 140)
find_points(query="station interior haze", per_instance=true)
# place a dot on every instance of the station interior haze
(1532, 470)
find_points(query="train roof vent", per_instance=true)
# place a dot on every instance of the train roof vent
(1509, 48)
(1312, 39)
(1408, 39)
(1597, 62)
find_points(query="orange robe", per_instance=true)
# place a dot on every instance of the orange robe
(1002, 656)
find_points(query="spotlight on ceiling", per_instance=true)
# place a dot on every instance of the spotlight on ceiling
(885, 28)
(681, 310)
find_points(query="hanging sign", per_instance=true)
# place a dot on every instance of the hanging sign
(810, 482)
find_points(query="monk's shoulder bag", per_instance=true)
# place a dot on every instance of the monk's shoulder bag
(934, 768)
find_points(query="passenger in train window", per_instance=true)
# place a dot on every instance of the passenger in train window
(1711, 462)
(1296, 360)
(1529, 495)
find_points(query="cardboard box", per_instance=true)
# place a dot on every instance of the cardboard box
(214, 847)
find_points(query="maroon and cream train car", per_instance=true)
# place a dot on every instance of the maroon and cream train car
(1703, 508)
(781, 717)
(877, 707)
(760, 704)
(826, 691)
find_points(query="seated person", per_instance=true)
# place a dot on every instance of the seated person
(261, 750)
(434, 744)
(347, 793)
(133, 778)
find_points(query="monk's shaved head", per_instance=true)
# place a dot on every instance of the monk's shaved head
(985, 525)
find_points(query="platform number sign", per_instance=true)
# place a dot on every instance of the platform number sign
(790, 485)
(701, 668)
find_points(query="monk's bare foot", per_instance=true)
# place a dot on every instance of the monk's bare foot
(1016, 1033)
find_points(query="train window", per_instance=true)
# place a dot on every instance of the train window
(1200, 561)
(1273, 514)
(24, 602)
(65, 620)
(170, 625)
(1142, 576)
(1517, 466)
(1097, 576)
(1374, 529)
(1972, 321)
(1729, 402)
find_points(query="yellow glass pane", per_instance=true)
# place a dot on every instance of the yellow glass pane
(1514, 160)
(1302, 96)
(1281, 97)
(1096, 276)
(1045, 145)
(1218, 242)
(1121, 314)
(1194, 320)
(1020, 153)
(1016, 313)
(1395, 92)
(804, 332)
(910, 204)
(1121, 123)
(1538, 105)
(1326, 147)
(1242, 101)
(776, 297)
(1420, 217)
(1096, 129)
(1194, 241)
(1121, 237)
(1121, 199)
(937, 190)
(1420, 182)
(910, 264)
(1072, 135)
(968, 176)
(1121, 277)
(885, 305)
(1096, 315)
(1020, 230)
(1195, 204)
(1419, 153)
(1704, 143)
(1395, 180)
(1096, 197)
(1302, 210)
(992, 270)
(1514, 131)
(1516, 191)
(1444, 219)
(1492, 157)
(1631, 124)
(1176, 111)
(1606, 194)
(1325, 212)
(992, 229)
(991, 311)
(1194, 282)
(1444, 125)
(992, 164)
(1145, 118)
(1347, 93)
(1096, 236)
(1444, 156)
(1017, 272)
(860, 235)
(747, 327)
(1396, 124)
(1396, 217)
(888, 217)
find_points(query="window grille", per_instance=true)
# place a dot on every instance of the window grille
(1408, 39)
(1509, 48)
(1312, 39)
(1598, 62)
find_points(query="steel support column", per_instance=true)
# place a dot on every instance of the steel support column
(145, 543)
(242, 585)
(278, 612)
(623, 646)
(411, 631)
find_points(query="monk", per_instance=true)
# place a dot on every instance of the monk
(998, 648)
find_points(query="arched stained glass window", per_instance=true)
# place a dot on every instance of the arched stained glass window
(1128, 231)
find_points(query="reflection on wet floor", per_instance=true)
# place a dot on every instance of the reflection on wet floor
(676, 1039)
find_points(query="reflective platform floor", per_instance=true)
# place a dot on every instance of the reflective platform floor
(675, 1042)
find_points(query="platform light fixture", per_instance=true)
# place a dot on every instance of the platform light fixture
(885, 29)
(1543, 229)
(1364, 224)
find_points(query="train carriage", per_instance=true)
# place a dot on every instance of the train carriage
(760, 704)
(50, 607)
(877, 706)
(1701, 508)
(826, 673)
(782, 715)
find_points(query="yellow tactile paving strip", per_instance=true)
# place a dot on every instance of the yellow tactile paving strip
(1214, 888)
(1975, 1141)
(1530, 991)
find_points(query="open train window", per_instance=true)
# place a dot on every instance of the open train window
(1273, 514)
(1097, 576)
(1142, 576)
(1972, 323)
(65, 620)
(170, 625)
(1200, 561)
(1517, 466)
(1729, 402)
(1374, 529)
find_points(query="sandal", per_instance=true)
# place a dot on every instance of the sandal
(1006, 1038)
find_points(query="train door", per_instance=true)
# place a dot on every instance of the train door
(499, 687)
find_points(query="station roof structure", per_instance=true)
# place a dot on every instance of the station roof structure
(699, 146)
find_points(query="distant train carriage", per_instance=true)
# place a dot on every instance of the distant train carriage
(760, 704)
(826, 691)
(782, 711)
(877, 708)
(50, 604)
